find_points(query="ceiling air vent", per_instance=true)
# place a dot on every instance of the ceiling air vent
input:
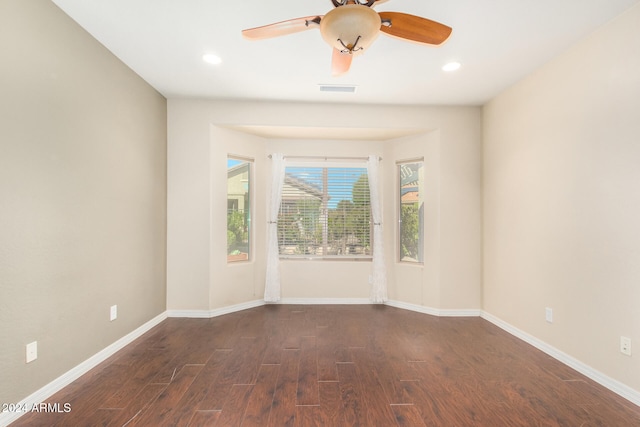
(338, 88)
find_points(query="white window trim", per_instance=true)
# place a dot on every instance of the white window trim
(251, 232)
(398, 194)
(327, 162)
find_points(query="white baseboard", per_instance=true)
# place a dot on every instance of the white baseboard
(206, 314)
(435, 311)
(191, 314)
(67, 378)
(325, 301)
(617, 387)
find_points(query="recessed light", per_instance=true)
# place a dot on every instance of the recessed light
(211, 58)
(451, 66)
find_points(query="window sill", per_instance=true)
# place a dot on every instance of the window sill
(327, 258)
(414, 263)
(241, 257)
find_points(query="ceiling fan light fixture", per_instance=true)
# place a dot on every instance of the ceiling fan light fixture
(350, 28)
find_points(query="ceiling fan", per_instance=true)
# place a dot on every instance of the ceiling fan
(352, 26)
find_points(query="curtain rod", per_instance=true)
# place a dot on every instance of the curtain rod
(325, 157)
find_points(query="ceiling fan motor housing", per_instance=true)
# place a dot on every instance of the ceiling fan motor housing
(350, 28)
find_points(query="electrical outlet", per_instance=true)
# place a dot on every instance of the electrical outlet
(32, 351)
(548, 314)
(625, 346)
(113, 314)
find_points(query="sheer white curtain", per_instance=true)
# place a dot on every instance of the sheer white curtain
(378, 279)
(272, 283)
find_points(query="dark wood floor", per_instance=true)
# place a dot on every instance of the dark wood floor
(286, 365)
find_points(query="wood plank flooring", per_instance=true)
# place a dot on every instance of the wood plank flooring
(333, 365)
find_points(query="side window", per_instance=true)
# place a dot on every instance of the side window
(238, 209)
(411, 212)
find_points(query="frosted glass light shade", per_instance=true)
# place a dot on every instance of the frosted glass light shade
(350, 28)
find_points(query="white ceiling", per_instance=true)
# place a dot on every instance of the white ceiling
(497, 41)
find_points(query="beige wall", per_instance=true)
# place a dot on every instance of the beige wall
(237, 282)
(414, 283)
(562, 201)
(199, 141)
(82, 196)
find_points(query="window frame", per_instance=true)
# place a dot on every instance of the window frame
(328, 163)
(421, 219)
(249, 219)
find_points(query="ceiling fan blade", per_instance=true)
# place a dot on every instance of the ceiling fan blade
(282, 28)
(414, 28)
(340, 62)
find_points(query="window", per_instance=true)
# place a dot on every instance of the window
(325, 213)
(411, 215)
(238, 209)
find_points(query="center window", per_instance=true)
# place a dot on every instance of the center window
(325, 213)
